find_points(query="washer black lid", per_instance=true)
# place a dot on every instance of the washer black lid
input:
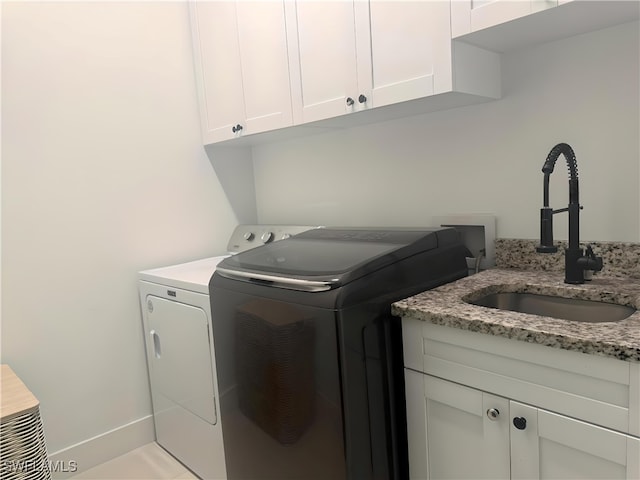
(339, 255)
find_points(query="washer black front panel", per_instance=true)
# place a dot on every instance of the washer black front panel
(279, 383)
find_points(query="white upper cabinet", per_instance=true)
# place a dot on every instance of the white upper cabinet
(264, 65)
(242, 70)
(473, 15)
(348, 56)
(508, 25)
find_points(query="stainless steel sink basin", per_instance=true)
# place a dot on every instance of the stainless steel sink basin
(556, 307)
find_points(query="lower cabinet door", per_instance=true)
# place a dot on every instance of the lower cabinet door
(548, 445)
(459, 432)
(465, 431)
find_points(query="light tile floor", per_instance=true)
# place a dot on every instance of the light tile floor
(149, 462)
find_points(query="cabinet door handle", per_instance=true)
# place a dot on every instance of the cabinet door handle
(493, 414)
(520, 423)
(236, 128)
(350, 101)
(362, 98)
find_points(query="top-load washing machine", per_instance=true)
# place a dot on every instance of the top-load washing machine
(176, 317)
(309, 356)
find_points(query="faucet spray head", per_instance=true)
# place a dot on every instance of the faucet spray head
(569, 155)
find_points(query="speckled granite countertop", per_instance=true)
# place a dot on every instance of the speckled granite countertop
(445, 306)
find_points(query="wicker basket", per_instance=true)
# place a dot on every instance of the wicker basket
(23, 450)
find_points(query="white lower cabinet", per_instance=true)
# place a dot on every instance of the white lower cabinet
(487, 407)
(463, 433)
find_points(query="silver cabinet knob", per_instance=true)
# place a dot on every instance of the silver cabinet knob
(493, 413)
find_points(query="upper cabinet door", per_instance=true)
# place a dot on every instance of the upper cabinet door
(218, 68)
(323, 59)
(242, 67)
(410, 49)
(265, 65)
(473, 15)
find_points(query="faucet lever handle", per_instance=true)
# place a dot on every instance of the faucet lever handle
(566, 209)
(591, 261)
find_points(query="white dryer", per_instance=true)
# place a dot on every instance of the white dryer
(179, 339)
(176, 316)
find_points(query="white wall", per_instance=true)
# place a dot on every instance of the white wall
(103, 175)
(485, 158)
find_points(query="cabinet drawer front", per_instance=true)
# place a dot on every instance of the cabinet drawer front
(588, 387)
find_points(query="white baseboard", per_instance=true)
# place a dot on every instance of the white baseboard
(87, 454)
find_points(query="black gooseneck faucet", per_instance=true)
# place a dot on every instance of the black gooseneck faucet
(576, 260)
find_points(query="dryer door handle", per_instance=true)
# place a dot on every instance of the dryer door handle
(155, 339)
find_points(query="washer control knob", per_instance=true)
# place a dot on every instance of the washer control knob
(266, 237)
(249, 236)
(285, 236)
